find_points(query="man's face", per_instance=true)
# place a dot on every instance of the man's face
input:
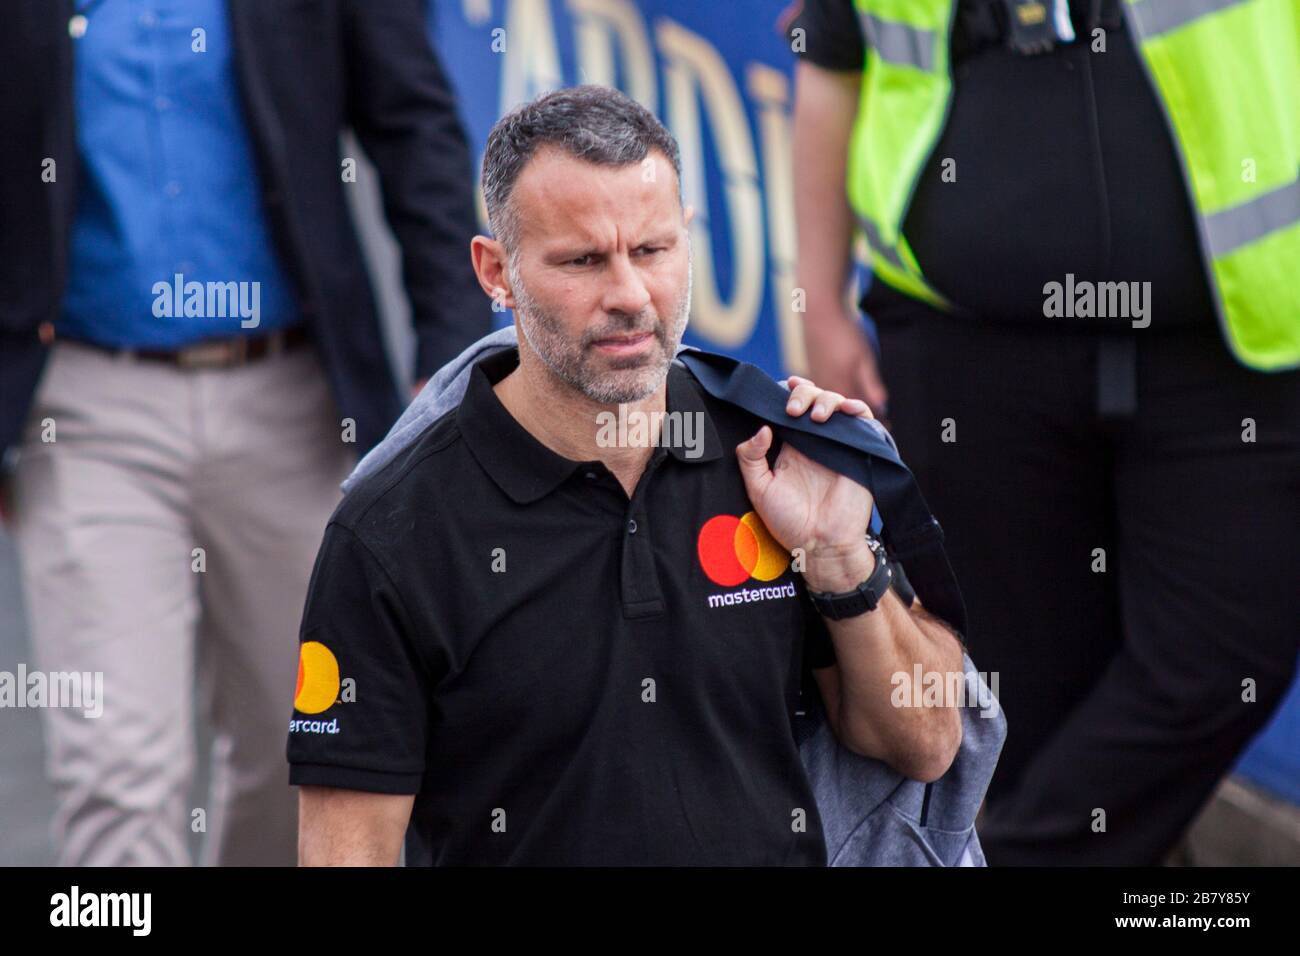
(601, 273)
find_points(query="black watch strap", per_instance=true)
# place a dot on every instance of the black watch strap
(862, 599)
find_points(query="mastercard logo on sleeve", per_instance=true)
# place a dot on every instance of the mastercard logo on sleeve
(318, 678)
(732, 550)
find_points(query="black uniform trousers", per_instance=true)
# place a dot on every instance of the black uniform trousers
(1122, 509)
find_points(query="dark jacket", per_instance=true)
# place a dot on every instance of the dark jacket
(306, 70)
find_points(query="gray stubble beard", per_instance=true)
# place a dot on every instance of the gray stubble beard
(541, 329)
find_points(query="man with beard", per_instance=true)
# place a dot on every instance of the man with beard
(526, 645)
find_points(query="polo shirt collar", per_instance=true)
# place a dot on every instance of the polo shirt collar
(524, 468)
(684, 396)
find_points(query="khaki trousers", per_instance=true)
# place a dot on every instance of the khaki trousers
(166, 537)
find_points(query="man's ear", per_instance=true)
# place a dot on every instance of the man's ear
(687, 215)
(489, 258)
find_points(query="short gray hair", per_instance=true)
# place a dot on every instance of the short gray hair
(597, 124)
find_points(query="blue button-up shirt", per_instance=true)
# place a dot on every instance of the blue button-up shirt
(169, 202)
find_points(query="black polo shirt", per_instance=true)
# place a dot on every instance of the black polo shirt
(560, 674)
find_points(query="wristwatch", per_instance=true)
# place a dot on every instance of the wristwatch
(862, 599)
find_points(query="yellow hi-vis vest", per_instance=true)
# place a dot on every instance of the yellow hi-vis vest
(1227, 74)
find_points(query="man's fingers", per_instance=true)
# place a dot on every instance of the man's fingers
(856, 406)
(805, 394)
(752, 456)
(801, 397)
(754, 449)
(826, 404)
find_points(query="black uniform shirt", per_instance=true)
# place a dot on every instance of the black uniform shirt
(1064, 165)
(560, 674)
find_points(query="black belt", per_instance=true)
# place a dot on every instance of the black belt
(214, 353)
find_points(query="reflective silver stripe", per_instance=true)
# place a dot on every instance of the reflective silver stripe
(879, 246)
(1155, 17)
(898, 43)
(1230, 229)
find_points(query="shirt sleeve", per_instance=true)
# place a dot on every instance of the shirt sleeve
(361, 704)
(831, 34)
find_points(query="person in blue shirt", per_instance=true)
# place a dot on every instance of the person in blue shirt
(190, 362)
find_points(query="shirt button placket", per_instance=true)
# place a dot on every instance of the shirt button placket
(642, 596)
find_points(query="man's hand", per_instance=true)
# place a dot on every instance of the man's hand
(824, 402)
(805, 504)
(418, 387)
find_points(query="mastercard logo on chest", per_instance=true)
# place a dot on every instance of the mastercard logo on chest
(732, 550)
